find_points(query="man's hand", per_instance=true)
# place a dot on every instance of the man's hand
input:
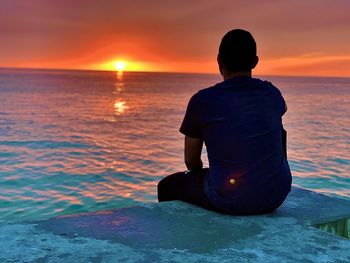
(193, 151)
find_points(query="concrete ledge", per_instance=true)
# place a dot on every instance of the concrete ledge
(179, 232)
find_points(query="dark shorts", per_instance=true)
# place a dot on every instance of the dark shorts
(185, 186)
(189, 187)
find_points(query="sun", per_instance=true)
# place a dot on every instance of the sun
(120, 65)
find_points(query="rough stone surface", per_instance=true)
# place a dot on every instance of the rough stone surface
(179, 232)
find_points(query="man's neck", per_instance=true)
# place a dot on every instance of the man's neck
(230, 75)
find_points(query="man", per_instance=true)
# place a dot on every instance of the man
(240, 122)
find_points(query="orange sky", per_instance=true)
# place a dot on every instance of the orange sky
(293, 37)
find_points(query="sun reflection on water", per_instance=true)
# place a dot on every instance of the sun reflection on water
(119, 87)
(119, 83)
(120, 107)
(120, 75)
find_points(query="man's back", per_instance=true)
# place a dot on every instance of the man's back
(240, 122)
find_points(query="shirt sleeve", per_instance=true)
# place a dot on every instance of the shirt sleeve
(284, 106)
(191, 123)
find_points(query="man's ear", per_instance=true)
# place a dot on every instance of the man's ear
(220, 64)
(255, 62)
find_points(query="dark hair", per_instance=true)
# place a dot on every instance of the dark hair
(237, 50)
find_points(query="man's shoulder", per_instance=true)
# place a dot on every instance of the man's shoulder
(232, 84)
(235, 83)
(206, 91)
(262, 84)
(257, 82)
(204, 94)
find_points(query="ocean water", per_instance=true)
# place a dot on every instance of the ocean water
(78, 141)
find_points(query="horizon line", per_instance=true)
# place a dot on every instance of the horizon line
(162, 72)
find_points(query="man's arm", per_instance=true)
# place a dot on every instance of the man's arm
(284, 141)
(193, 151)
(284, 133)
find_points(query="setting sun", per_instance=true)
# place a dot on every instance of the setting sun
(124, 64)
(120, 65)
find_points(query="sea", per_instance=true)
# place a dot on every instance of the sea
(81, 141)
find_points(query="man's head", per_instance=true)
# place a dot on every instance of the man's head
(237, 52)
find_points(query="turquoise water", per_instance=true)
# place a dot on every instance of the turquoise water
(78, 141)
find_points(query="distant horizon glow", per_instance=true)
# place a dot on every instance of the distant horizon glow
(165, 72)
(302, 66)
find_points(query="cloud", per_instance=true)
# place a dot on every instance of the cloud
(310, 64)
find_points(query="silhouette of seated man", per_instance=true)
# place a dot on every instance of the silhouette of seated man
(240, 122)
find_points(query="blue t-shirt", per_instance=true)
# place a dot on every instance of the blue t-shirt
(240, 122)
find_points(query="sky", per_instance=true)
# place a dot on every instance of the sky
(305, 38)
